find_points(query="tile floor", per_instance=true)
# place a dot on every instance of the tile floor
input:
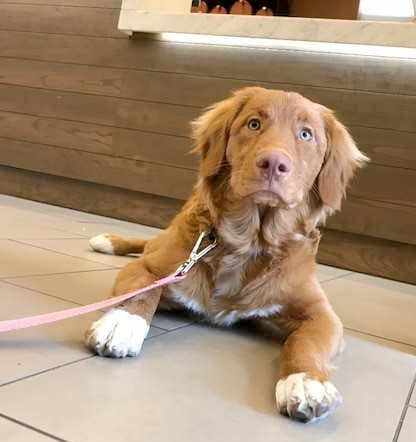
(192, 382)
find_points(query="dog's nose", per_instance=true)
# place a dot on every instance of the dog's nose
(276, 164)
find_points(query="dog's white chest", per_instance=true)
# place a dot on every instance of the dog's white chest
(221, 316)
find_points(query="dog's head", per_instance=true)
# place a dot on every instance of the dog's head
(276, 148)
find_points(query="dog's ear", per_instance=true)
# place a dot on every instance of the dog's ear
(342, 159)
(212, 129)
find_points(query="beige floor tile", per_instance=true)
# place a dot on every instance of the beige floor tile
(413, 397)
(81, 249)
(89, 229)
(89, 287)
(374, 305)
(81, 288)
(41, 209)
(12, 432)
(21, 224)
(19, 259)
(30, 351)
(408, 431)
(205, 384)
(326, 273)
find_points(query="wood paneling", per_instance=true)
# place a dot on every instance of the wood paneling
(114, 202)
(388, 184)
(107, 140)
(387, 147)
(103, 169)
(60, 20)
(364, 254)
(374, 218)
(355, 108)
(153, 117)
(84, 3)
(376, 74)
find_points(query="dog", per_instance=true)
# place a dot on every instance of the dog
(273, 166)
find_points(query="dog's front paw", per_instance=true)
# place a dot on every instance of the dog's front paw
(117, 334)
(305, 399)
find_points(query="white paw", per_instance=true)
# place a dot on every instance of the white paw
(102, 243)
(306, 399)
(117, 334)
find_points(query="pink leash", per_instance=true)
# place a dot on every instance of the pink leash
(48, 318)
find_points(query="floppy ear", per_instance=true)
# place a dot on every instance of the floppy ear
(342, 159)
(212, 129)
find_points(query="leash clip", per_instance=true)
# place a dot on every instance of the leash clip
(197, 254)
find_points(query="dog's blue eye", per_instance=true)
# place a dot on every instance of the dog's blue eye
(305, 134)
(254, 124)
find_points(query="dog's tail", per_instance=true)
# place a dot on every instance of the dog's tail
(116, 245)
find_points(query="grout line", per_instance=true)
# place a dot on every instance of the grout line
(47, 370)
(41, 292)
(347, 273)
(62, 253)
(59, 253)
(2, 278)
(380, 337)
(30, 427)
(403, 415)
(171, 330)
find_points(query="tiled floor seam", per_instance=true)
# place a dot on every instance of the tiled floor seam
(56, 367)
(5, 281)
(30, 427)
(47, 370)
(380, 337)
(58, 252)
(404, 411)
(323, 281)
(2, 278)
(78, 303)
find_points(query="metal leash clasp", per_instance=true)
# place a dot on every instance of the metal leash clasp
(197, 254)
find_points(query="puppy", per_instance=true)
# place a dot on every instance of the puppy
(274, 165)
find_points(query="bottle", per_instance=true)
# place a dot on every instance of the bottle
(241, 7)
(199, 6)
(218, 9)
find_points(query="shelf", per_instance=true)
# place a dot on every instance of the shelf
(172, 17)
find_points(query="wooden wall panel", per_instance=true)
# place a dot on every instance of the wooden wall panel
(387, 147)
(376, 219)
(60, 20)
(388, 184)
(83, 3)
(106, 140)
(356, 108)
(364, 254)
(109, 201)
(153, 117)
(102, 169)
(375, 74)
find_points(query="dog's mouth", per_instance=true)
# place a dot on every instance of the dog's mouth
(272, 199)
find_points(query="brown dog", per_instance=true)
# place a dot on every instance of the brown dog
(273, 166)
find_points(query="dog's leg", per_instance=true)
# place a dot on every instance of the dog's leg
(121, 331)
(116, 245)
(304, 392)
